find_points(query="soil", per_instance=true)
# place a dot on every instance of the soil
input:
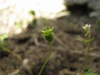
(68, 55)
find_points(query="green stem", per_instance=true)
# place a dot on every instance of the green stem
(46, 60)
(86, 59)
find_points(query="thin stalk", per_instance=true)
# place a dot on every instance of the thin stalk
(46, 60)
(86, 59)
(14, 54)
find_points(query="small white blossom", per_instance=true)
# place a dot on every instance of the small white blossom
(86, 27)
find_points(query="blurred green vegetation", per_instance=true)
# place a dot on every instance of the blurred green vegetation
(3, 44)
(20, 24)
(98, 22)
(32, 12)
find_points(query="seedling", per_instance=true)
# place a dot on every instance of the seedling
(87, 35)
(49, 36)
(4, 46)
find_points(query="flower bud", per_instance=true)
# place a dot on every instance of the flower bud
(48, 34)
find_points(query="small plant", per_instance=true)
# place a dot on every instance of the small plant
(49, 36)
(87, 35)
(32, 12)
(20, 24)
(4, 46)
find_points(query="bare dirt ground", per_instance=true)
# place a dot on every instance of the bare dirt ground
(68, 55)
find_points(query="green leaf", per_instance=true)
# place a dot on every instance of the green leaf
(85, 41)
(90, 70)
(3, 43)
(3, 46)
(91, 74)
(48, 31)
(47, 28)
(90, 39)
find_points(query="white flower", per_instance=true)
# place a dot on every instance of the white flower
(86, 27)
